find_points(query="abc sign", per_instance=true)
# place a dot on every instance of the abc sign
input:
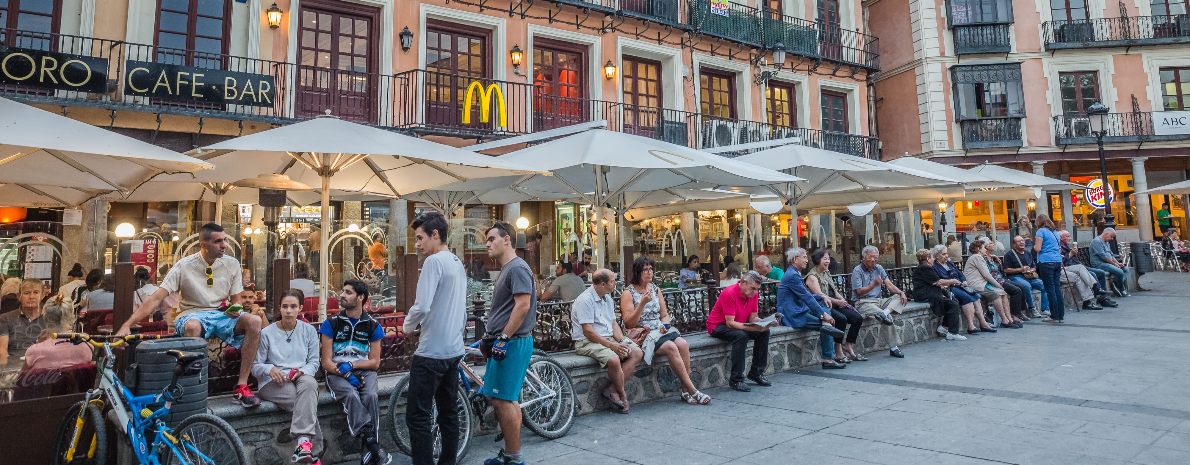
(1094, 193)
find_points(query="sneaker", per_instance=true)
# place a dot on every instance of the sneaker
(955, 337)
(942, 331)
(884, 318)
(243, 395)
(374, 455)
(501, 459)
(303, 454)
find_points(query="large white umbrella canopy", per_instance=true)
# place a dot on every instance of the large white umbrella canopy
(1177, 188)
(337, 154)
(39, 148)
(601, 166)
(38, 196)
(488, 191)
(174, 191)
(1024, 178)
(978, 186)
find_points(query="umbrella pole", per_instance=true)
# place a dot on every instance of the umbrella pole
(600, 248)
(218, 206)
(992, 210)
(324, 238)
(620, 235)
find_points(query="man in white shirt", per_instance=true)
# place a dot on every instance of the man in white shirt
(597, 335)
(438, 318)
(205, 281)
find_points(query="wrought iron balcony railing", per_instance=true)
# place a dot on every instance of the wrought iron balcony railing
(800, 37)
(1126, 31)
(737, 22)
(992, 132)
(982, 38)
(447, 104)
(1118, 127)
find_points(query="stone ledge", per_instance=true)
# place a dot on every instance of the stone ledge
(265, 429)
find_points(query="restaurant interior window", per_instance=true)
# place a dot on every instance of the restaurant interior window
(717, 89)
(780, 104)
(989, 91)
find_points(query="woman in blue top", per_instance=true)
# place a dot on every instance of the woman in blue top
(1049, 265)
(689, 273)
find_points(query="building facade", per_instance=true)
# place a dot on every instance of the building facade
(701, 73)
(1008, 82)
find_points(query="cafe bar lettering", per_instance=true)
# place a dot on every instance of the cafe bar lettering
(62, 71)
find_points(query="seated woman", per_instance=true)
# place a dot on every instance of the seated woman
(642, 307)
(731, 275)
(301, 279)
(980, 278)
(690, 272)
(102, 298)
(1177, 248)
(930, 288)
(57, 316)
(286, 361)
(847, 318)
(1016, 293)
(972, 309)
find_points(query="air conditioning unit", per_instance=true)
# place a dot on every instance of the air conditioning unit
(719, 133)
(675, 132)
(747, 135)
(784, 134)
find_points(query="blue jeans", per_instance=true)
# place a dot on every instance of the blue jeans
(1117, 275)
(1036, 284)
(1050, 273)
(1101, 277)
(813, 322)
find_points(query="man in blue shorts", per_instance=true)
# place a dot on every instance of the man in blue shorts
(204, 281)
(510, 333)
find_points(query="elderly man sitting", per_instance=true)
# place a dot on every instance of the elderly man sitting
(762, 265)
(1089, 282)
(800, 309)
(1103, 259)
(868, 279)
(734, 319)
(597, 335)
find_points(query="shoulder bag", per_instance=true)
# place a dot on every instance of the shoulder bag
(1029, 274)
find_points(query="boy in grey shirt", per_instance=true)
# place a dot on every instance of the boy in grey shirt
(438, 317)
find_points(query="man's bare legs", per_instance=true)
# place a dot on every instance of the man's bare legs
(249, 326)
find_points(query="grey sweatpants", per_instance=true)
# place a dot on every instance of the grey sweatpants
(300, 397)
(360, 405)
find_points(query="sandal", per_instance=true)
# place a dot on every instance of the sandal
(858, 357)
(843, 359)
(689, 399)
(701, 398)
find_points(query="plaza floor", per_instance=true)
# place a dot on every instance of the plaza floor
(1107, 387)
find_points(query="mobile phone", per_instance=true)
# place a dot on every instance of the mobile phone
(234, 308)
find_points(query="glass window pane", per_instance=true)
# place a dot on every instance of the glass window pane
(324, 41)
(324, 60)
(208, 45)
(361, 28)
(210, 7)
(308, 38)
(176, 5)
(168, 40)
(345, 25)
(209, 27)
(1170, 103)
(174, 22)
(38, 6)
(1067, 92)
(1166, 75)
(324, 22)
(361, 46)
(432, 39)
(308, 57)
(344, 44)
(34, 23)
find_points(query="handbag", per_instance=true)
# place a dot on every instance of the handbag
(637, 335)
(1028, 274)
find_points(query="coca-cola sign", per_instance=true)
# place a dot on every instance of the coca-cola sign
(1094, 193)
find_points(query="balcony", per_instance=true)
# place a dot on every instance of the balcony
(1116, 32)
(1120, 127)
(982, 38)
(740, 23)
(992, 132)
(800, 37)
(666, 11)
(428, 102)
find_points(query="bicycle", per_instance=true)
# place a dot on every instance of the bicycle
(199, 439)
(547, 402)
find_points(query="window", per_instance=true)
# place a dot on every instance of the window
(196, 30)
(987, 91)
(456, 56)
(780, 104)
(1175, 89)
(336, 51)
(834, 112)
(559, 69)
(776, 8)
(963, 12)
(34, 19)
(1069, 10)
(717, 90)
(1169, 7)
(642, 82)
(1080, 89)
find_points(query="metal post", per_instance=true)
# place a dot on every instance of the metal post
(1108, 219)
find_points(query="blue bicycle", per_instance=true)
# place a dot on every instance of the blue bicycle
(198, 440)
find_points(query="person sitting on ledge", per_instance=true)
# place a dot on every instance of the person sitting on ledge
(1091, 283)
(596, 334)
(867, 282)
(799, 308)
(734, 319)
(930, 288)
(818, 281)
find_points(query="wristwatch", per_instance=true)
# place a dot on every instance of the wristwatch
(503, 337)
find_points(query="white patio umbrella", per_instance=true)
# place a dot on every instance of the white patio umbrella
(489, 191)
(38, 196)
(1037, 182)
(337, 154)
(219, 193)
(601, 166)
(39, 148)
(1177, 188)
(978, 186)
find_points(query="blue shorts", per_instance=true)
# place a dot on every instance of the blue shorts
(503, 379)
(214, 325)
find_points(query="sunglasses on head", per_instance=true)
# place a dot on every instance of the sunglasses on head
(210, 276)
(501, 226)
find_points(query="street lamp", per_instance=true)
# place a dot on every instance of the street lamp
(522, 224)
(1097, 114)
(941, 219)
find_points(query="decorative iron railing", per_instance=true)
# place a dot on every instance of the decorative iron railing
(449, 104)
(800, 37)
(982, 38)
(848, 46)
(1124, 31)
(992, 132)
(738, 22)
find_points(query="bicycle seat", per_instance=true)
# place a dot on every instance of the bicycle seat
(189, 363)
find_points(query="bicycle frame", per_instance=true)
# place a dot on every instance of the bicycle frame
(123, 402)
(534, 383)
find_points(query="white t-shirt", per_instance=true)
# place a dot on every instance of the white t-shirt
(189, 276)
(440, 307)
(589, 308)
(304, 285)
(141, 294)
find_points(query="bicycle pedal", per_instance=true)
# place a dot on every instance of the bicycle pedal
(499, 437)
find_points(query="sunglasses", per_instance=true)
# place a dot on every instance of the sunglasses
(503, 227)
(210, 276)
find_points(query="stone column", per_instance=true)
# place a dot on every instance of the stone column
(1144, 213)
(512, 211)
(398, 228)
(353, 213)
(1043, 201)
(689, 228)
(1067, 208)
(84, 244)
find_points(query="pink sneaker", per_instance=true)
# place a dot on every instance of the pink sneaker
(243, 395)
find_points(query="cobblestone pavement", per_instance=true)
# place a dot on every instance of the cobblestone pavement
(1107, 387)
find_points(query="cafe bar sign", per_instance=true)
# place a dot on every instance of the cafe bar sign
(52, 70)
(178, 82)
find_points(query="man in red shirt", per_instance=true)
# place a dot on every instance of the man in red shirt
(731, 320)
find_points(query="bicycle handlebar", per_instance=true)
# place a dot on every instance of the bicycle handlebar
(79, 338)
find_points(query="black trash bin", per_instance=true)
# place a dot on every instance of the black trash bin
(151, 371)
(1142, 256)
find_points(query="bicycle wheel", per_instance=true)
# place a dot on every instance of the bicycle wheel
(91, 446)
(398, 401)
(210, 436)
(550, 415)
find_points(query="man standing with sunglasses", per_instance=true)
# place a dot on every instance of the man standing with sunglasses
(205, 281)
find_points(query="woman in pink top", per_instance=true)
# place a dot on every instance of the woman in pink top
(57, 316)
